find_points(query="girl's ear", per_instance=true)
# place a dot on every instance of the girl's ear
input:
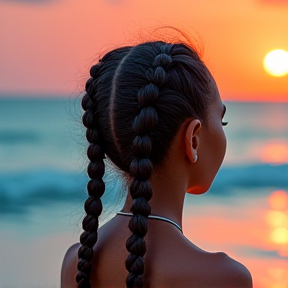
(192, 140)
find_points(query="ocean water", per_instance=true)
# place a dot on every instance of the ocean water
(43, 178)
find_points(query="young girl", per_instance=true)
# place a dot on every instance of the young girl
(154, 110)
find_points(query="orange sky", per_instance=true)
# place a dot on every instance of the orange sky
(48, 46)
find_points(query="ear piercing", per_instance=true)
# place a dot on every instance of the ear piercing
(195, 157)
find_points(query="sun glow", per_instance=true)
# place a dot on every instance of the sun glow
(277, 218)
(278, 200)
(280, 235)
(276, 62)
(276, 153)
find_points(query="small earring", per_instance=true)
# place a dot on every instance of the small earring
(195, 157)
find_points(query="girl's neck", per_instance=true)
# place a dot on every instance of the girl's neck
(166, 202)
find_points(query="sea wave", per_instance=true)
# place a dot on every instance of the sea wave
(18, 137)
(252, 176)
(21, 190)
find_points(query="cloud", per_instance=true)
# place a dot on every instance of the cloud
(49, 1)
(29, 1)
(114, 2)
(273, 2)
(258, 252)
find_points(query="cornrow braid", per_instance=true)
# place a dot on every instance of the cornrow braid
(95, 187)
(141, 168)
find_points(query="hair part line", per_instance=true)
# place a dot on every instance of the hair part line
(112, 98)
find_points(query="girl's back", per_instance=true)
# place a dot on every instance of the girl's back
(171, 261)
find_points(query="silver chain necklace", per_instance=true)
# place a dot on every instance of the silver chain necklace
(155, 217)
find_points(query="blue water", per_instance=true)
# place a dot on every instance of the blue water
(42, 151)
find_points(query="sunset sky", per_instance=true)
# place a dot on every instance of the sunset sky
(47, 46)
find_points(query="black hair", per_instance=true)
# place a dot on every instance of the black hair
(134, 104)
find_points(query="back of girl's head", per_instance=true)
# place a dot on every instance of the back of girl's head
(134, 104)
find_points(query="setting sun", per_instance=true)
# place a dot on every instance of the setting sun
(276, 62)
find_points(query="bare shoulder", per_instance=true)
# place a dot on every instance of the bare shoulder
(218, 269)
(232, 273)
(69, 267)
(197, 268)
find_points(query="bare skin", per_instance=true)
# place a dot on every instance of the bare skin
(171, 259)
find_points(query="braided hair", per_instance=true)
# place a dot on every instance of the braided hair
(95, 170)
(141, 168)
(95, 187)
(134, 105)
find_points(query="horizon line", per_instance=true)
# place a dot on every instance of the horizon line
(54, 96)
